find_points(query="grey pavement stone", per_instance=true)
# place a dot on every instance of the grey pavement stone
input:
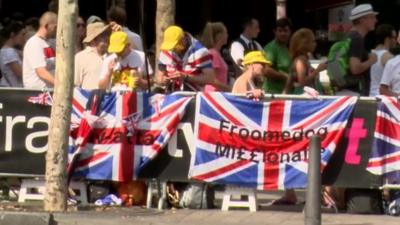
(217, 217)
(26, 218)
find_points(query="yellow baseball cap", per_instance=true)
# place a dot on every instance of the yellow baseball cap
(118, 41)
(255, 57)
(172, 36)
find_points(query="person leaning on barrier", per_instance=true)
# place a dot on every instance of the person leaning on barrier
(250, 81)
(124, 68)
(184, 63)
(214, 36)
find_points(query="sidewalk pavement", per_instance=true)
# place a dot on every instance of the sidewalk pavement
(216, 217)
(267, 214)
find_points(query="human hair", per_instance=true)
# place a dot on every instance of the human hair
(300, 42)
(32, 22)
(53, 6)
(210, 33)
(117, 14)
(13, 27)
(283, 22)
(246, 22)
(382, 32)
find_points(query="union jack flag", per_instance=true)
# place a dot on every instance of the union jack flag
(196, 58)
(263, 145)
(42, 99)
(114, 141)
(385, 154)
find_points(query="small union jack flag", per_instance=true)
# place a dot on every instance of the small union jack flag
(42, 99)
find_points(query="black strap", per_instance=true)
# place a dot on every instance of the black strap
(246, 47)
(90, 105)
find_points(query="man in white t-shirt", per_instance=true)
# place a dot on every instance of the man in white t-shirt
(390, 82)
(39, 57)
(125, 68)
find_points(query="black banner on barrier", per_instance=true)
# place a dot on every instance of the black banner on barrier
(347, 167)
(24, 130)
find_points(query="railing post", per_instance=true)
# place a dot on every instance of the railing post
(313, 192)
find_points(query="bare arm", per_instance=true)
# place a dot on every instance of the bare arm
(385, 90)
(16, 68)
(386, 58)
(220, 85)
(208, 77)
(273, 74)
(105, 82)
(357, 67)
(45, 75)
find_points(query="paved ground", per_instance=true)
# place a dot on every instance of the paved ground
(217, 217)
(267, 214)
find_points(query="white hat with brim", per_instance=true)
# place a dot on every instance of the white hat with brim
(93, 30)
(362, 10)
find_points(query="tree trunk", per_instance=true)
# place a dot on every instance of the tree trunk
(165, 17)
(55, 198)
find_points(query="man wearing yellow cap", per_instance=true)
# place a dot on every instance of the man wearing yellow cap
(184, 64)
(250, 81)
(124, 68)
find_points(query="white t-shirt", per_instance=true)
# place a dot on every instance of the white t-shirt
(391, 74)
(134, 38)
(135, 60)
(9, 79)
(376, 73)
(37, 53)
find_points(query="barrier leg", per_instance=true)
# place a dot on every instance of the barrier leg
(163, 195)
(313, 192)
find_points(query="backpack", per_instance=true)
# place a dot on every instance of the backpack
(338, 62)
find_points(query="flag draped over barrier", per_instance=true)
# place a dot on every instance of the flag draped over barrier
(385, 154)
(263, 145)
(113, 135)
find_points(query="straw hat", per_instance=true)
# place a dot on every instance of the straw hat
(93, 30)
(362, 10)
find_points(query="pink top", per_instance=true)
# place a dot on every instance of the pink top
(220, 67)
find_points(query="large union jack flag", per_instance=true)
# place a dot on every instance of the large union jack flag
(385, 154)
(263, 145)
(117, 133)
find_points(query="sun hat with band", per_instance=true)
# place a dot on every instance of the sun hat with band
(362, 10)
(118, 41)
(255, 57)
(93, 30)
(172, 36)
